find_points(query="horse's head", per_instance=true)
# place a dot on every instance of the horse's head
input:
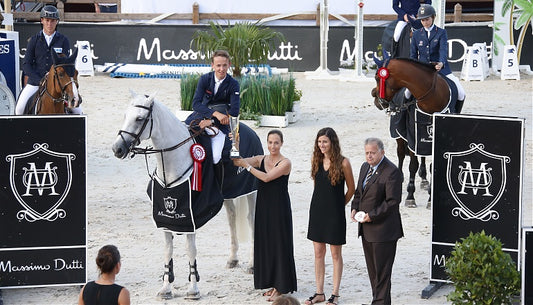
(383, 92)
(65, 79)
(135, 127)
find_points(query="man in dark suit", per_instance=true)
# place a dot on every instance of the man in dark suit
(216, 98)
(376, 208)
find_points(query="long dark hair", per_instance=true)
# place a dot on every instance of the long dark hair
(335, 169)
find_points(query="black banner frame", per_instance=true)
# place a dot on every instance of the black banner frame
(34, 249)
(527, 261)
(513, 248)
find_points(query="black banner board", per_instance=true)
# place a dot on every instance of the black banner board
(43, 211)
(477, 183)
(527, 266)
(170, 44)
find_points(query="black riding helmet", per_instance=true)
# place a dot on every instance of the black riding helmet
(425, 11)
(50, 12)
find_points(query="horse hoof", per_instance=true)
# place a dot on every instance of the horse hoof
(424, 184)
(192, 296)
(428, 206)
(250, 270)
(232, 263)
(165, 295)
(410, 204)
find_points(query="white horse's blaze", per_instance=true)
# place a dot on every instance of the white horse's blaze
(75, 92)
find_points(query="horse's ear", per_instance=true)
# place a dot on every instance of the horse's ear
(55, 58)
(73, 55)
(378, 62)
(386, 56)
(152, 96)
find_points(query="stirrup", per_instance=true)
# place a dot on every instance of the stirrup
(170, 271)
(193, 270)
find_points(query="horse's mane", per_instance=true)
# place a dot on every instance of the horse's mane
(423, 65)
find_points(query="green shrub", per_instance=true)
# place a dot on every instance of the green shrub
(481, 272)
(259, 94)
(188, 85)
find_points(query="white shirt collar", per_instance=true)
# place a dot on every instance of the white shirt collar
(49, 38)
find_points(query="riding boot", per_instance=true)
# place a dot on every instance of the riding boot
(394, 49)
(219, 172)
(459, 106)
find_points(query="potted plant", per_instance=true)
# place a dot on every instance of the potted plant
(481, 272)
(347, 67)
(247, 43)
(188, 84)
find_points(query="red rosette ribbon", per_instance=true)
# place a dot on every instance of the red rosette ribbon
(383, 74)
(198, 156)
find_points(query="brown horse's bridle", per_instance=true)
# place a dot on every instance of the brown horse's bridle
(63, 97)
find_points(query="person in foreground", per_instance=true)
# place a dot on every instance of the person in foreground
(331, 171)
(274, 265)
(376, 207)
(104, 290)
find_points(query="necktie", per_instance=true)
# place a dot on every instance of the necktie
(370, 173)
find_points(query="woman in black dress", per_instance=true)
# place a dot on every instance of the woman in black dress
(273, 241)
(330, 171)
(104, 290)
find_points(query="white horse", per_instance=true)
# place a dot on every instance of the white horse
(147, 118)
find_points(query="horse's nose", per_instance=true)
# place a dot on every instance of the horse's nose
(119, 150)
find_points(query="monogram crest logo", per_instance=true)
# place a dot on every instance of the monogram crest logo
(40, 180)
(170, 204)
(476, 179)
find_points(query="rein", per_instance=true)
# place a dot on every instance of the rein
(62, 98)
(134, 149)
(433, 84)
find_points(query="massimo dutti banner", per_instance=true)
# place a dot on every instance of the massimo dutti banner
(43, 212)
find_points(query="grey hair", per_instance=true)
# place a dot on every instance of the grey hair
(376, 141)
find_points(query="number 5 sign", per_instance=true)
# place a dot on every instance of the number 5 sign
(84, 61)
(510, 63)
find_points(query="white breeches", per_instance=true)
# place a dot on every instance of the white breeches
(460, 90)
(217, 143)
(398, 30)
(24, 97)
(27, 93)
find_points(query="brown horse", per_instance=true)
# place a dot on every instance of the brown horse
(58, 89)
(431, 93)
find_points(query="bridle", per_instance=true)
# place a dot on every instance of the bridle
(63, 97)
(385, 104)
(134, 149)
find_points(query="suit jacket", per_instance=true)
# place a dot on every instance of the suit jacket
(381, 199)
(38, 60)
(432, 49)
(228, 94)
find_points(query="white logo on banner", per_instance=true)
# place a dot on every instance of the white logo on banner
(476, 180)
(286, 52)
(36, 184)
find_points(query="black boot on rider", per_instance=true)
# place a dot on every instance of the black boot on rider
(394, 49)
(459, 106)
(219, 172)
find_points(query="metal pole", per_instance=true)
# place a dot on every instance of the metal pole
(359, 40)
(7, 7)
(324, 26)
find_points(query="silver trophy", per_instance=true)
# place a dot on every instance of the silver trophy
(234, 126)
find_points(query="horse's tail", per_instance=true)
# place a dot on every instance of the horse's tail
(243, 213)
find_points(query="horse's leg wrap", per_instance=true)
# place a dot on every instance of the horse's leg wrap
(193, 270)
(170, 271)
